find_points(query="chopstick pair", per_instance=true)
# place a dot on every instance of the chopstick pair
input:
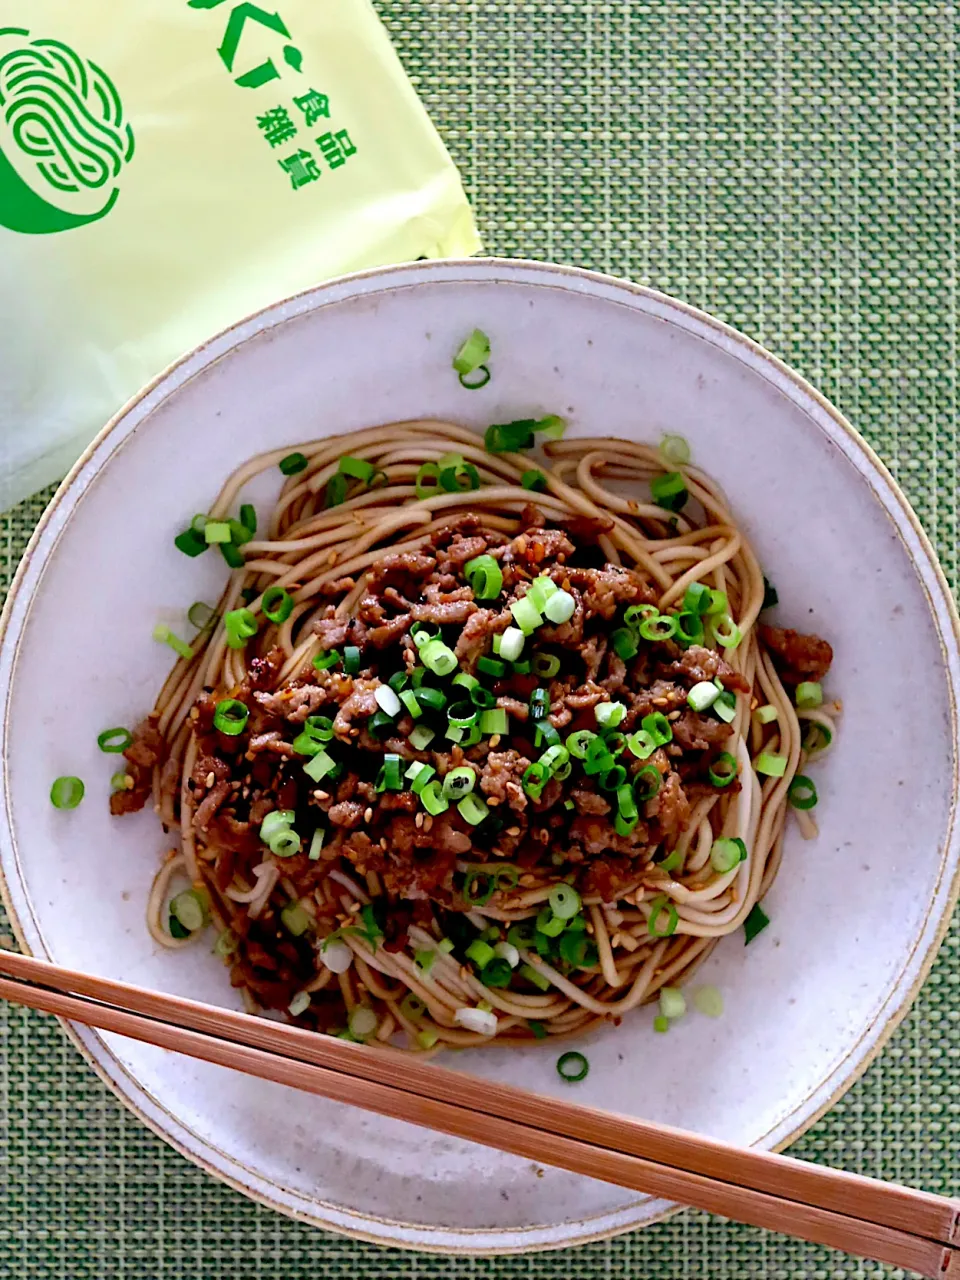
(878, 1220)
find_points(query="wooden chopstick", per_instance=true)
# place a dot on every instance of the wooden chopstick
(885, 1222)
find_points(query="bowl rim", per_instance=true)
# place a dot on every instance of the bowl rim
(470, 1241)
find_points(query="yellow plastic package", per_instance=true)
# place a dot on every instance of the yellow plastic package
(169, 166)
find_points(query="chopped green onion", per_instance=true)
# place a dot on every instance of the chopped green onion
(525, 615)
(445, 945)
(770, 765)
(438, 658)
(540, 591)
(560, 607)
(723, 770)
(190, 909)
(576, 949)
(564, 901)
(660, 1023)
(299, 1004)
(479, 886)
(554, 759)
(294, 919)
(726, 632)
(321, 765)
(293, 463)
(240, 535)
(462, 715)
(481, 953)
(118, 781)
(473, 810)
(387, 700)
(572, 1067)
(658, 906)
(647, 783)
(320, 728)
(420, 774)
(545, 665)
(388, 778)
(718, 602)
(534, 480)
(765, 715)
(689, 629)
(696, 598)
(725, 706)
(351, 659)
(809, 694)
(277, 604)
(421, 737)
(549, 924)
(428, 480)
(165, 636)
(225, 944)
(507, 951)
(473, 353)
(239, 625)
(613, 778)
(675, 451)
(248, 518)
(532, 974)
(539, 705)
(538, 1030)
(284, 843)
(424, 960)
(802, 792)
(216, 531)
(191, 542)
(494, 720)
(424, 632)
(638, 613)
(770, 597)
(659, 626)
(356, 468)
(484, 576)
(335, 491)
(459, 782)
(546, 735)
(466, 680)
(409, 700)
(703, 695)
(114, 741)
(727, 853)
(658, 727)
(755, 923)
(627, 803)
(230, 717)
(669, 491)
(672, 1003)
(232, 555)
(324, 661)
(316, 844)
(278, 820)
(609, 714)
(491, 667)
(433, 799)
(624, 643)
(398, 681)
(534, 780)
(509, 437)
(672, 861)
(641, 744)
(511, 644)
(817, 737)
(709, 1001)
(412, 1007)
(623, 826)
(380, 725)
(578, 743)
(457, 475)
(66, 792)
(176, 928)
(201, 616)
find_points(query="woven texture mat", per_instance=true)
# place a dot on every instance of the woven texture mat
(791, 167)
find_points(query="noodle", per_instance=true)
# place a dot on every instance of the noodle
(643, 925)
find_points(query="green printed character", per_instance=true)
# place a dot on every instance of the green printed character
(301, 167)
(315, 106)
(336, 147)
(240, 15)
(276, 126)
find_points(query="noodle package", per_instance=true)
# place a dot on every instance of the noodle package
(169, 166)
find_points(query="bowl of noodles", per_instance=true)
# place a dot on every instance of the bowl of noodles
(499, 663)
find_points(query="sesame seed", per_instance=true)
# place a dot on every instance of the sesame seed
(418, 820)
(493, 801)
(660, 702)
(615, 940)
(495, 740)
(321, 795)
(383, 843)
(674, 715)
(513, 831)
(210, 779)
(427, 822)
(368, 814)
(128, 781)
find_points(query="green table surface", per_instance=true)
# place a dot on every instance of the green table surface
(791, 167)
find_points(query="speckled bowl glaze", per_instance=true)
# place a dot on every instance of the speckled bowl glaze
(856, 915)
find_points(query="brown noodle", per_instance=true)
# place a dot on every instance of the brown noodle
(307, 546)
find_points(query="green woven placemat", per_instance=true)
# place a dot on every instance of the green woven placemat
(790, 167)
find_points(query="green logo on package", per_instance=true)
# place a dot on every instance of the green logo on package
(63, 141)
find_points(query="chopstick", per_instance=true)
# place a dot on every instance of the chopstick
(882, 1221)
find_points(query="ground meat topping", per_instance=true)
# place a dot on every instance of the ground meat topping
(797, 657)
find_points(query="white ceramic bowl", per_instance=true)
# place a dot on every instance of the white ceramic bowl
(856, 915)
